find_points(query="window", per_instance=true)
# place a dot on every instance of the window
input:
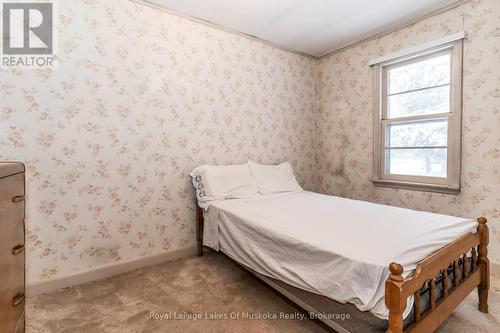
(417, 121)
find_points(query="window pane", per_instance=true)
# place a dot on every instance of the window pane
(424, 133)
(428, 101)
(426, 73)
(417, 162)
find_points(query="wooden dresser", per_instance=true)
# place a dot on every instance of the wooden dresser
(12, 255)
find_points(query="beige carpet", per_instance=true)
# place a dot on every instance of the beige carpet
(210, 284)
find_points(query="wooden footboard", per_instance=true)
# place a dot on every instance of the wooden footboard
(457, 268)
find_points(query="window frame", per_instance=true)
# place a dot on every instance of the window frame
(450, 184)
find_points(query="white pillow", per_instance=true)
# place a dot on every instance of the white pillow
(274, 178)
(222, 182)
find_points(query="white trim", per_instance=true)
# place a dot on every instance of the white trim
(419, 48)
(324, 55)
(321, 56)
(105, 271)
(450, 184)
(382, 34)
(148, 3)
(413, 186)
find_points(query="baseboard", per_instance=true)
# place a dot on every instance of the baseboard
(105, 271)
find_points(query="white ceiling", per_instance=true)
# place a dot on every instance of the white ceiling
(314, 27)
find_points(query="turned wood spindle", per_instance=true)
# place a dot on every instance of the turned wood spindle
(466, 265)
(445, 282)
(416, 305)
(484, 263)
(456, 273)
(432, 294)
(474, 259)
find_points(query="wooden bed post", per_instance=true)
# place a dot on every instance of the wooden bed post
(483, 260)
(199, 228)
(394, 299)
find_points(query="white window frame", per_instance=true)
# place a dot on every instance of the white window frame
(450, 184)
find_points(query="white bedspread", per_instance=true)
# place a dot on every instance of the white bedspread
(336, 247)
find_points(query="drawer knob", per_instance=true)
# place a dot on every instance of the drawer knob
(18, 299)
(17, 249)
(18, 198)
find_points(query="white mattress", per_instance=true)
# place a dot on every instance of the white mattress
(336, 247)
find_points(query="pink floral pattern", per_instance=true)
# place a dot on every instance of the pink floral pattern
(139, 99)
(345, 126)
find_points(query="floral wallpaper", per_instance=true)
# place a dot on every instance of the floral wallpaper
(141, 97)
(345, 126)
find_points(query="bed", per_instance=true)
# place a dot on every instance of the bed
(347, 250)
(403, 268)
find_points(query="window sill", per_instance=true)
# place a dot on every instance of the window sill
(417, 186)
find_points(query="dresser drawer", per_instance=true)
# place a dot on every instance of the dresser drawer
(12, 279)
(11, 203)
